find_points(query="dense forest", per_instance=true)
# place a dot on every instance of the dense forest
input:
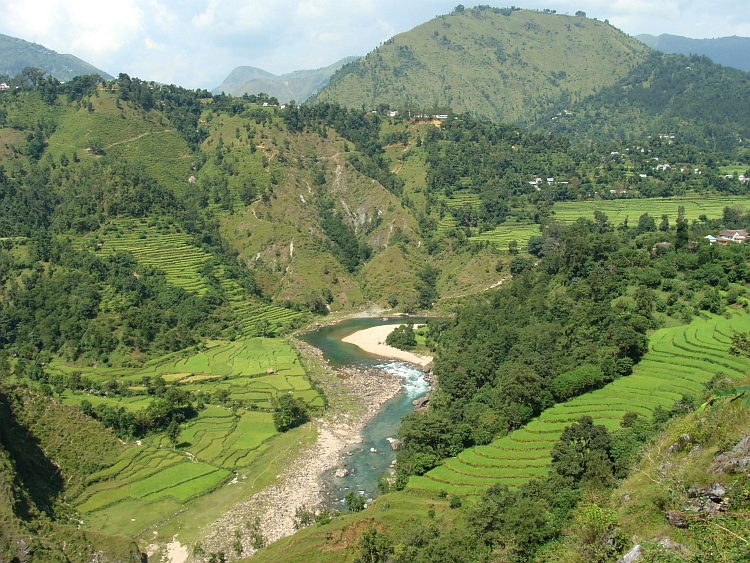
(691, 97)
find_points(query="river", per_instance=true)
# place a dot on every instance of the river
(364, 464)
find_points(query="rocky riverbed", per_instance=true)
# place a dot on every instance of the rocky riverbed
(299, 485)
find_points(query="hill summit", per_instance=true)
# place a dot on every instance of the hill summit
(498, 63)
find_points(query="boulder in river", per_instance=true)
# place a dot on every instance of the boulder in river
(341, 472)
(395, 443)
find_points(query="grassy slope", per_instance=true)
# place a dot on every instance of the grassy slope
(680, 361)
(46, 450)
(463, 71)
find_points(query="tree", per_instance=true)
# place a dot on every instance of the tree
(173, 433)
(664, 225)
(354, 502)
(583, 451)
(374, 547)
(646, 224)
(290, 412)
(580, 14)
(402, 337)
(513, 247)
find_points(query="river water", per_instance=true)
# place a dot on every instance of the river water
(365, 465)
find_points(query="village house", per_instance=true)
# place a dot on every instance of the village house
(710, 238)
(3, 86)
(663, 166)
(729, 235)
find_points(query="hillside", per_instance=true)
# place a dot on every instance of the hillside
(16, 54)
(692, 98)
(727, 51)
(298, 85)
(497, 64)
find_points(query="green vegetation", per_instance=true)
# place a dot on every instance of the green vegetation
(500, 64)
(402, 337)
(17, 54)
(680, 361)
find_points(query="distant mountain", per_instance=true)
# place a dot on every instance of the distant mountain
(498, 63)
(15, 54)
(728, 51)
(298, 85)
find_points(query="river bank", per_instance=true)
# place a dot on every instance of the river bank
(372, 340)
(300, 484)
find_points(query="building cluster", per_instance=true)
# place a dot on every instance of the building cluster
(728, 235)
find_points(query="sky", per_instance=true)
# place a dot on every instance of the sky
(196, 43)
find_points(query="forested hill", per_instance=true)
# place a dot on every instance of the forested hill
(693, 98)
(16, 54)
(728, 51)
(501, 64)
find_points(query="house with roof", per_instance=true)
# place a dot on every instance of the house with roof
(710, 238)
(4, 86)
(728, 235)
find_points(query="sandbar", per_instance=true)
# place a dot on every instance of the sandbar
(372, 340)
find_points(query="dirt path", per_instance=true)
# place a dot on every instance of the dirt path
(136, 138)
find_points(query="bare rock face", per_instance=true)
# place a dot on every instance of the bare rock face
(735, 461)
(680, 444)
(632, 556)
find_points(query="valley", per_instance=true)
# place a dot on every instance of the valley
(181, 275)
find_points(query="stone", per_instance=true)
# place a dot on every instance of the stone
(735, 461)
(632, 556)
(395, 443)
(676, 519)
(341, 472)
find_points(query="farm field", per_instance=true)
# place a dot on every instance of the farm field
(617, 211)
(679, 361)
(222, 445)
(164, 247)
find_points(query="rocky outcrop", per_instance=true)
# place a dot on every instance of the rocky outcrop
(632, 556)
(735, 461)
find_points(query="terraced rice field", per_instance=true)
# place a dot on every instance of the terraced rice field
(172, 252)
(220, 440)
(617, 210)
(146, 474)
(680, 361)
(503, 234)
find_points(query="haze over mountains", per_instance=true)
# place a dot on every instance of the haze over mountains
(728, 51)
(298, 85)
(15, 54)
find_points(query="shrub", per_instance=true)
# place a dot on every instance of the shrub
(576, 382)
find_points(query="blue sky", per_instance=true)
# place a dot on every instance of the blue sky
(195, 43)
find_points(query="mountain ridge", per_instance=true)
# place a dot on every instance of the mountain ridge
(16, 53)
(297, 85)
(733, 51)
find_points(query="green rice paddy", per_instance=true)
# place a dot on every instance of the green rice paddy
(215, 447)
(617, 210)
(166, 248)
(680, 361)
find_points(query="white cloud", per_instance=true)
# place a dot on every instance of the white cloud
(199, 41)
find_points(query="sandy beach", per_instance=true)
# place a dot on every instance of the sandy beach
(372, 340)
